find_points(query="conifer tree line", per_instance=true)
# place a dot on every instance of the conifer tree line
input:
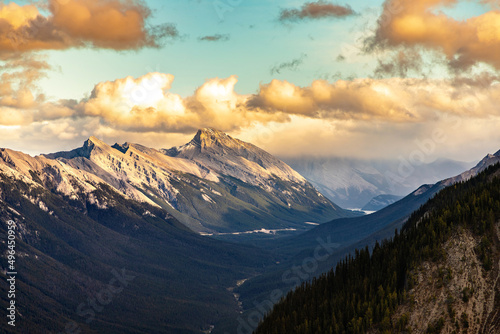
(365, 289)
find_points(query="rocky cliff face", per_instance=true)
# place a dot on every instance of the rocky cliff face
(456, 295)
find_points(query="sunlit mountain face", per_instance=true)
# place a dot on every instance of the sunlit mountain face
(207, 147)
(213, 184)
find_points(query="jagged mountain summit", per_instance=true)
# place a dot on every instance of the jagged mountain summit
(233, 157)
(213, 184)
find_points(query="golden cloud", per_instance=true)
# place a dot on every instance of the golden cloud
(145, 104)
(21, 103)
(392, 100)
(419, 23)
(17, 82)
(113, 24)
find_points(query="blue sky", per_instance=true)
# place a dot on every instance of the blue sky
(257, 42)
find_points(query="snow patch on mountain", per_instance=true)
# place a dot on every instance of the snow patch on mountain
(207, 198)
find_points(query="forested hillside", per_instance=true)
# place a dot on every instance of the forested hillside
(374, 290)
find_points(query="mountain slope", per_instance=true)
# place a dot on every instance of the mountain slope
(213, 184)
(420, 280)
(102, 263)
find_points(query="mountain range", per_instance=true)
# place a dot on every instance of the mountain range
(101, 213)
(343, 236)
(213, 184)
(100, 262)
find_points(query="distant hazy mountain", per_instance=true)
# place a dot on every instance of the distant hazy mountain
(212, 184)
(379, 202)
(347, 231)
(351, 183)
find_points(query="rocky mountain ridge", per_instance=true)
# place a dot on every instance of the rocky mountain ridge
(67, 249)
(212, 184)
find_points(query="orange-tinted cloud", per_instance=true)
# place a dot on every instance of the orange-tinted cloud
(420, 23)
(358, 99)
(21, 102)
(146, 104)
(17, 81)
(394, 100)
(113, 24)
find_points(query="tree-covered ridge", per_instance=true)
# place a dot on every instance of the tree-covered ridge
(364, 290)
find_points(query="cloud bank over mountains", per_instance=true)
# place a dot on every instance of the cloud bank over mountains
(362, 108)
